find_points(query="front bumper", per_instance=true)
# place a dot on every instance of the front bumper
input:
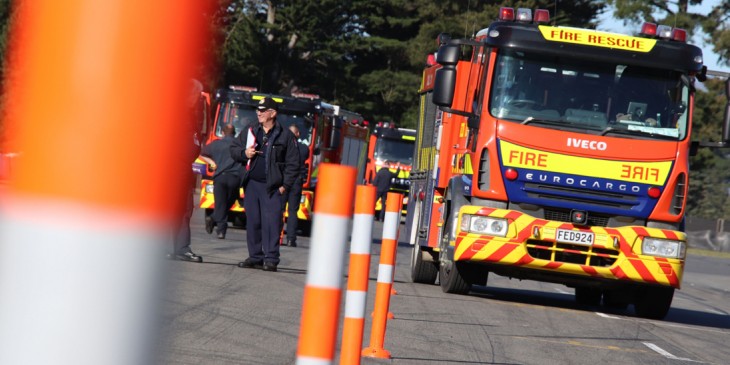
(530, 244)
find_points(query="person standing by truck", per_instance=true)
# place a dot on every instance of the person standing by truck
(382, 182)
(226, 180)
(274, 156)
(184, 203)
(294, 196)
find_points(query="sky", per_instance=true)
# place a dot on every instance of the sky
(608, 23)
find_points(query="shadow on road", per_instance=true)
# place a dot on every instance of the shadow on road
(560, 300)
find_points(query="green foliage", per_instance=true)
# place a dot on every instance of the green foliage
(710, 177)
(366, 55)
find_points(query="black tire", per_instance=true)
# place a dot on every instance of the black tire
(450, 277)
(422, 271)
(615, 300)
(305, 227)
(588, 296)
(653, 302)
(239, 219)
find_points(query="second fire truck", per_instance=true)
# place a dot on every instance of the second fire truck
(332, 135)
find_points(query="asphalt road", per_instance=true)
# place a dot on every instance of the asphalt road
(217, 313)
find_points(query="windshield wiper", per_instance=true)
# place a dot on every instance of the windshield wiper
(630, 132)
(529, 120)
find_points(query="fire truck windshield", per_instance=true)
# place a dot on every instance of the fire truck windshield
(303, 123)
(622, 100)
(394, 150)
(243, 116)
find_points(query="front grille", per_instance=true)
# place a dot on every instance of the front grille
(573, 254)
(564, 216)
(595, 198)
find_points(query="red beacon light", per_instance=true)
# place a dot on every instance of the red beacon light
(679, 35)
(542, 16)
(524, 15)
(506, 14)
(648, 29)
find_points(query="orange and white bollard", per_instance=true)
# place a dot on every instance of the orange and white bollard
(81, 245)
(323, 290)
(386, 272)
(359, 273)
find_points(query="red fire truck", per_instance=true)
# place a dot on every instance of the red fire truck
(391, 148)
(331, 134)
(556, 154)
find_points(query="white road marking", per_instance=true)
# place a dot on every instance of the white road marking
(604, 315)
(665, 353)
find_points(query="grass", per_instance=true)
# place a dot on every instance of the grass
(710, 253)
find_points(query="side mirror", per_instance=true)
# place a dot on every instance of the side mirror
(445, 80)
(693, 148)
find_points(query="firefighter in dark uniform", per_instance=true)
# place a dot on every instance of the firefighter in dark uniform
(270, 155)
(382, 182)
(294, 196)
(226, 180)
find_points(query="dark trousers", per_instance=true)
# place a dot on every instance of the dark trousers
(181, 233)
(382, 195)
(294, 197)
(264, 221)
(225, 192)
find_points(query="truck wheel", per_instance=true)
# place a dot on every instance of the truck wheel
(305, 227)
(587, 296)
(422, 271)
(615, 300)
(450, 278)
(239, 220)
(653, 303)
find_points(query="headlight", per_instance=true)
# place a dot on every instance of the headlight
(663, 248)
(209, 189)
(303, 199)
(484, 225)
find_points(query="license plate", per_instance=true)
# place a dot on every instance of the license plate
(575, 237)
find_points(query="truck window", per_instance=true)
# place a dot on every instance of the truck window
(589, 96)
(303, 123)
(242, 116)
(394, 150)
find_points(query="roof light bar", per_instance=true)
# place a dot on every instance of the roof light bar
(542, 16)
(648, 29)
(664, 31)
(524, 15)
(242, 88)
(506, 14)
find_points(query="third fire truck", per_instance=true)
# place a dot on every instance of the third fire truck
(391, 148)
